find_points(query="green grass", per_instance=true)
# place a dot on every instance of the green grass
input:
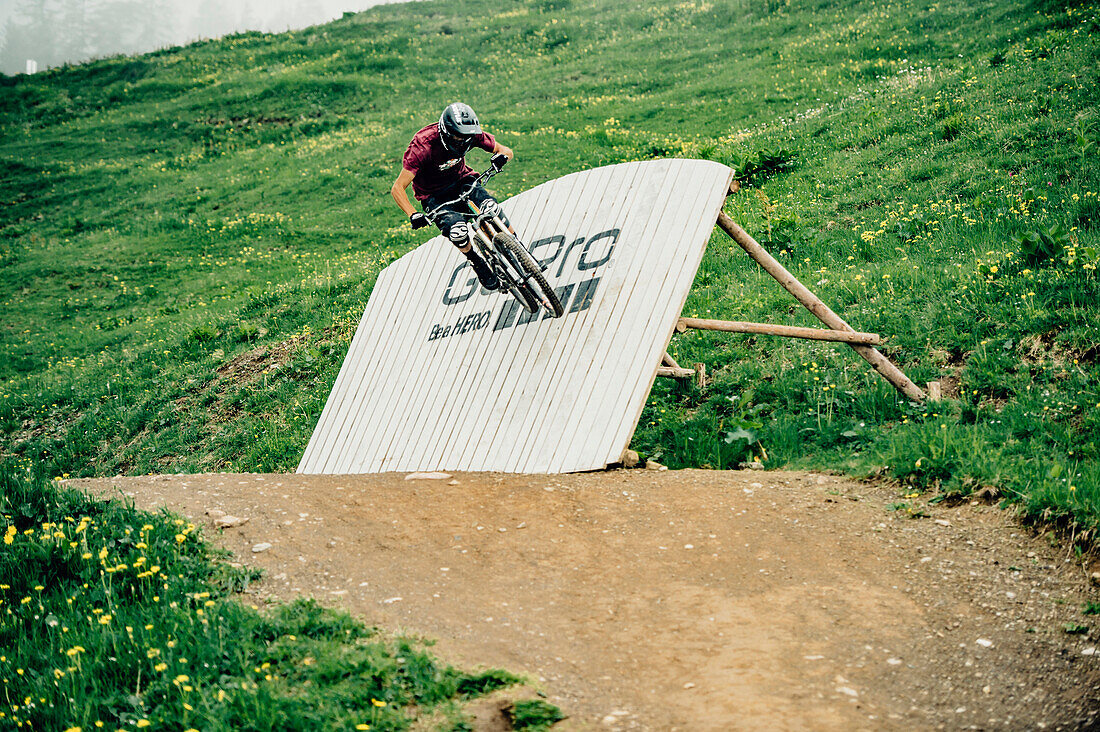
(188, 238)
(116, 618)
(535, 715)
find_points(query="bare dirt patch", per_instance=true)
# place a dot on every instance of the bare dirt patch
(248, 366)
(685, 600)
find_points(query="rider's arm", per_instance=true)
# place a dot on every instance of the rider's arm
(498, 148)
(399, 191)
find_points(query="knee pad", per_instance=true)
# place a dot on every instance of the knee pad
(491, 207)
(459, 234)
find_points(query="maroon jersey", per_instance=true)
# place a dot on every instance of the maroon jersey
(435, 167)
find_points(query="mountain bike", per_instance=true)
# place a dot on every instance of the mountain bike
(497, 243)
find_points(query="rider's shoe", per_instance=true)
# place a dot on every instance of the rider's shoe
(485, 275)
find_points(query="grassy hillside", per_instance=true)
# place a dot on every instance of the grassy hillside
(188, 238)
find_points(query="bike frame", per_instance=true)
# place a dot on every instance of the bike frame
(482, 232)
(478, 219)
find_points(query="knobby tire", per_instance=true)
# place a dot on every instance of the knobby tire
(526, 298)
(514, 251)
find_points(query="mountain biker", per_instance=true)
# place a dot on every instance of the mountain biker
(435, 164)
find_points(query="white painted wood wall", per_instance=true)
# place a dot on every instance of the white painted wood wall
(444, 376)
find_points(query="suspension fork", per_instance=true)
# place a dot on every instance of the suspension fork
(496, 219)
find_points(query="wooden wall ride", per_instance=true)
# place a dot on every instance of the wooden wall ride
(442, 375)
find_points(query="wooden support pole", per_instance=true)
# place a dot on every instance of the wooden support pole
(668, 360)
(820, 310)
(675, 373)
(789, 331)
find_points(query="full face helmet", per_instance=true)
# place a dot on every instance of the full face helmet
(458, 126)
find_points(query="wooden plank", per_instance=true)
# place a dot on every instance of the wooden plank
(786, 331)
(558, 394)
(429, 369)
(460, 427)
(383, 390)
(386, 365)
(448, 395)
(696, 229)
(345, 397)
(404, 394)
(631, 341)
(545, 381)
(518, 359)
(326, 424)
(596, 356)
(495, 361)
(642, 343)
(372, 358)
(579, 362)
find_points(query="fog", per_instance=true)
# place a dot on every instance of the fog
(52, 32)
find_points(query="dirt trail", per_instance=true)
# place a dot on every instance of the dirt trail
(686, 600)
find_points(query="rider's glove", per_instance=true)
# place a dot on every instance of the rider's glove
(498, 160)
(418, 220)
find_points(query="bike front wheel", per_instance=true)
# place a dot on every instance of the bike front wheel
(529, 268)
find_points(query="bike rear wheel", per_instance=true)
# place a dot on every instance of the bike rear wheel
(528, 267)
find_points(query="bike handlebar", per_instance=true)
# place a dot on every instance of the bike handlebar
(492, 170)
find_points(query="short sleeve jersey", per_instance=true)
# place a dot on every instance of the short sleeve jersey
(434, 167)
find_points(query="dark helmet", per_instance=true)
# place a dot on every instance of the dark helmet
(458, 126)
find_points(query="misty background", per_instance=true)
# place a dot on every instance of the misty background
(53, 32)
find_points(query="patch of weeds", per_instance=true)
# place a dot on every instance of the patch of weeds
(746, 423)
(246, 332)
(309, 361)
(1086, 135)
(911, 510)
(756, 168)
(1091, 608)
(783, 234)
(231, 579)
(955, 127)
(1044, 104)
(535, 715)
(1043, 247)
(988, 370)
(203, 333)
(486, 682)
(1087, 213)
(1075, 629)
(927, 455)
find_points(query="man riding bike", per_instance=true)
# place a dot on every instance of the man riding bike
(435, 164)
